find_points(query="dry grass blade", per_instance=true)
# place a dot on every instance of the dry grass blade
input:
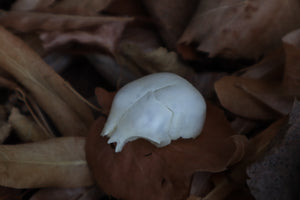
(68, 112)
(56, 162)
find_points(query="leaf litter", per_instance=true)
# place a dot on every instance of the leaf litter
(242, 55)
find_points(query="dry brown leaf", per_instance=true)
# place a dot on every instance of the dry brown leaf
(6, 83)
(58, 162)
(59, 194)
(26, 5)
(291, 44)
(235, 179)
(37, 21)
(157, 60)
(143, 61)
(69, 113)
(241, 29)
(142, 171)
(236, 100)
(271, 67)
(5, 129)
(81, 7)
(91, 193)
(201, 184)
(104, 99)
(105, 36)
(113, 73)
(27, 130)
(171, 17)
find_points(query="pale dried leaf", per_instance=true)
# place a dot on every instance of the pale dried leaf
(105, 37)
(171, 17)
(158, 60)
(56, 162)
(37, 21)
(27, 130)
(69, 113)
(247, 29)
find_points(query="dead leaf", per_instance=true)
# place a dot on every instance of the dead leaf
(239, 102)
(143, 171)
(235, 178)
(104, 99)
(106, 37)
(241, 29)
(7, 83)
(59, 194)
(91, 193)
(27, 130)
(80, 7)
(58, 162)
(271, 67)
(201, 184)
(69, 113)
(113, 73)
(291, 80)
(5, 129)
(171, 17)
(158, 60)
(276, 175)
(37, 21)
(27, 5)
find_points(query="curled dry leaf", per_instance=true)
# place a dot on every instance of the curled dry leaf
(143, 171)
(241, 29)
(69, 113)
(171, 17)
(272, 83)
(58, 162)
(236, 100)
(105, 36)
(27, 130)
(37, 21)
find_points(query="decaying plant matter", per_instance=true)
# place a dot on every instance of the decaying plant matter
(63, 62)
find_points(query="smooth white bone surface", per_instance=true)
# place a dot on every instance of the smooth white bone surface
(159, 108)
